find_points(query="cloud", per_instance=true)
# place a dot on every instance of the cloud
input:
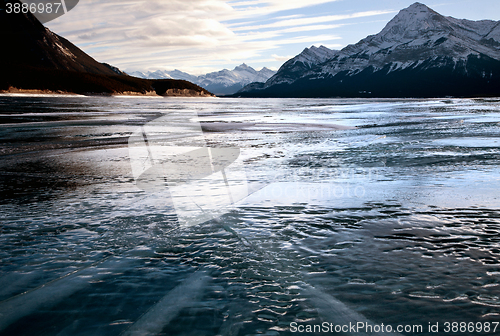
(281, 58)
(307, 40)
(311, 20)
(189, 34)
(309, 28)
(265, 7)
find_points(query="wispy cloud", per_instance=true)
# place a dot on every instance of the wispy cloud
(282, 58)
(195, 34)
(311, 20)
(267, 7)
(309, 28)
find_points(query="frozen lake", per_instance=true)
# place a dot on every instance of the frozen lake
(370, 211)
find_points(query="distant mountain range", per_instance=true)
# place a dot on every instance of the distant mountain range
(419, 53)
(34, 58)
(222, 82)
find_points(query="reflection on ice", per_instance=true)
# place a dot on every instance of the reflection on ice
(203, 182)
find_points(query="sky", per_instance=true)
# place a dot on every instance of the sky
(200, 36)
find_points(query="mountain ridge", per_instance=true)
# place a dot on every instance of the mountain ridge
(419, 51)
(222, 82)
(304, 61)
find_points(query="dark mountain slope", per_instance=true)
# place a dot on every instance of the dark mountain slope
(34, 58)
(425, 80)
(27, 42)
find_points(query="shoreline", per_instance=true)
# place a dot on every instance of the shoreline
(12, 91)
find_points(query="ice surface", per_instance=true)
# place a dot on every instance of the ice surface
(413, 237)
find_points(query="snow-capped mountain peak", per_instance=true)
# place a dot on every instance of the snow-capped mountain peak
(411, 22)
(240, 76)
(418, 40)
(244, 67)
(307, 59)
(416, 34)
(219, 82)
(420, 26)
(314, 55)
